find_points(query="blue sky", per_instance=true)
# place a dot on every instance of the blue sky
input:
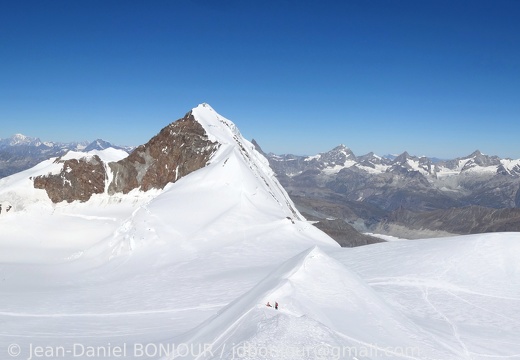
(438, 78)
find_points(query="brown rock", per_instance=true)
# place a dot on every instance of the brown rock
(179, 149)
(78, 180)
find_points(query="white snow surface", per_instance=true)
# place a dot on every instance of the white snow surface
(151, 275)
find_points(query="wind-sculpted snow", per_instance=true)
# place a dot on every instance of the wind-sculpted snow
(150, 274)
(324, 310)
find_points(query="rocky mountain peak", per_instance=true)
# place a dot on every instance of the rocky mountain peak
(98, 144)
(258, 147)
(476, 153)
(371, 159)
(79, 179)
(337, 156)
(177, 150)
(479, 159)
(341, 147)
(402, 158)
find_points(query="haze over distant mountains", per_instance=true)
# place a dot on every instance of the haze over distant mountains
(405, 195)
(20, 152)
(187, 239)
(400, 195)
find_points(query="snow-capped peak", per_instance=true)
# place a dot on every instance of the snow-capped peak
(19, 139)
(217, 127)
(232, 143)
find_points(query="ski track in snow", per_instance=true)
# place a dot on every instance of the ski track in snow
(125, 313)
(450, 323)
(141, 261)
(91, 217)
(481, 308)
(428, 283)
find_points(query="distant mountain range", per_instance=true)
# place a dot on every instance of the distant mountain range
(405, 195)
(20, 152)
(191, 238)
(402, 195)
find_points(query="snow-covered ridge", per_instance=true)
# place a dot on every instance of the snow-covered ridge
(242, 171)
(20, 140)
(217, 127)
(226, 133)
(218, 130)
(106, 155)
(341, 157)
(196, 262)
(321, 296)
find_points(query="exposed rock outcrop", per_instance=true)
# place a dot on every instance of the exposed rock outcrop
(179, 149)
(78, 180)
(466, 220)
(5, 207)
(343, 233)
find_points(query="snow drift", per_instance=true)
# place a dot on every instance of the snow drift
(195, 262)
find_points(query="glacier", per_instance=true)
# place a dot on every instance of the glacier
(185, 272)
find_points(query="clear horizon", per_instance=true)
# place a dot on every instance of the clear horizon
(434, 78)
(357, 154)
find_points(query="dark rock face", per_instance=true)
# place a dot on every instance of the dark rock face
(467, 220)
(343, 233)
(78, 180)
(179, 149)
(5, 207)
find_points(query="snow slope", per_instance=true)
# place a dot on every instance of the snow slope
(196, 262)
(323, 302)
(463, 290)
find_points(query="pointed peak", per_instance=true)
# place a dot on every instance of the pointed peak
(402, 157)
(217, 127)
(476, 153)
(98, 144)
(342, 148)
(205, 106)
(258, 147)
